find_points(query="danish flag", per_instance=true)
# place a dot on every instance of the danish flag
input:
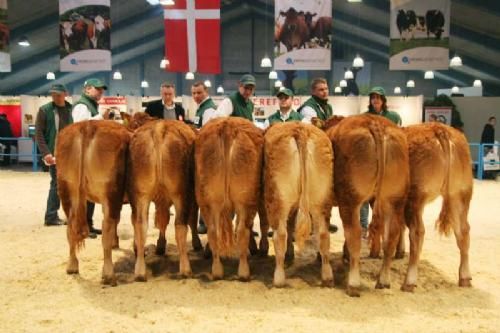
(192, 36)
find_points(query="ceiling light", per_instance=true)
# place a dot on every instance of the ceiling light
(477, 83)
(23, 41)
(348, 75)
(338, 90)
(266, 62)
(455, 90)
(278, 84)
(51, 76)
(144, 84)
(273, 75)
(189, 76)
(410, 84)
(354, 0)
(220, 89)
(117, 75)
(167, 2)
(358, 62)
(456, 61)
(429, 75)
(343, 83)
(164, 63)
(397, 90)
(207, 83)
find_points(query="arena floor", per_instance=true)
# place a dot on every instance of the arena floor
(38, 296)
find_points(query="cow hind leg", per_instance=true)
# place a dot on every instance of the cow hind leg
(264, 229)
(413, 216)
(181, 230)
(111, 218)
(280, 236)
(244, 225)
(459, 209)
(140, 222)
(212, 219)
(162, 218)
(352, 232)
(324, 248)
(72, 266)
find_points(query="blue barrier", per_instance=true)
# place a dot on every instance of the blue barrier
(480, 157)
(34, 156)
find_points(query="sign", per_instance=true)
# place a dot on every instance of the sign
(439, 114)
(116, 104)
(4, 39)
(11, 106)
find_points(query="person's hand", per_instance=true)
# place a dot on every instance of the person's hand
(49, 159)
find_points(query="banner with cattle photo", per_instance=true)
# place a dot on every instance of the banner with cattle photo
(303, 34)
(85, 35)
(420, 33)
(4, 39)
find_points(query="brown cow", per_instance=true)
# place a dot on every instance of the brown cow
(322, 31)
(91, 160)
(161, 169)
(371, 161)
(298, 180)
(294, 31)
(440, 164)
(228, 158)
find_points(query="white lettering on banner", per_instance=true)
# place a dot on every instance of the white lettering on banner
(191, 14)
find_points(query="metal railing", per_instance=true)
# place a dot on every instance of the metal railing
(479, 162)
(34, 156)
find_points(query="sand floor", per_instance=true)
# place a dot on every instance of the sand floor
(38, 296)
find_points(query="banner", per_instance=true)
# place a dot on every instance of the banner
(420, 32)
(115, 104)
(192, 36)
(11, 107)
(4, 39)
(439, 114)
(84, 35)
(303, 34)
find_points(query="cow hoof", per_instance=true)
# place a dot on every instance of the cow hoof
(140, 278)
(279, 284)
(327, 283)
(399, 255)
(381, 285)
(109, 281)
(216, 277)
(353, 291)
(408, 288)
(186, 274)
(244, 278)
(72, 271)
(465, 282)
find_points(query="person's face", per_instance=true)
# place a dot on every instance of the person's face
(376, 102)
(58, 98)
(285, 102)
(246, 91)
(321, 91)
(167, 94)
(493, 121)
(199, 94)
(94, 93)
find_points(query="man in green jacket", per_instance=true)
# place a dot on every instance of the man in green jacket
(377, 106)
(86, 108)
(317, 105)
(239, 104)
(50, 119)
(206, 106)
(285, 113)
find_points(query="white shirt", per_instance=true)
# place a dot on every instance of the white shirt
(283, 116)
(81, 112)
(308, 113)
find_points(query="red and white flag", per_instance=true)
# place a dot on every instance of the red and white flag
(192, 36)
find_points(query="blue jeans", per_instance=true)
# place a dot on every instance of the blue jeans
(363, 215)
(53, 202)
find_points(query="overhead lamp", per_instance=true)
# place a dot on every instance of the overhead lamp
(429, 75)
(343, 83)
(220, 89)
(167, 2)
(337, 90)
(358, 62)
(354, 0)
(144, 84)
(117, 75)
(456, 61)
(273, 75)
(207, 83)
(455, 90)
(278, 84)
(348, 75)
(397, 90)
(410, 84)
(51, 76)
(266, 62)
(189, 76)
(164, 63)
(23, 41)
(477, 83)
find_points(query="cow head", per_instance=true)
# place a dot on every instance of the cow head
(99, 23)
(67, 28)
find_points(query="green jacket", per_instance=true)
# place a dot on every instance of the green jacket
(322, 113)
(391, 115)
(46, 131)
(89, 103)
(276, 117)
(206, 104)
(241, 108)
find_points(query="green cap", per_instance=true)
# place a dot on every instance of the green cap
(247, 80)
(285, 91)
(95, 83)
(58, 88)
(377, 90)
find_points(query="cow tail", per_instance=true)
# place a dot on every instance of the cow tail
(160, 144)
(378, 133)
(303, 226)
(78, 226)
(443, 223)
(225, 235)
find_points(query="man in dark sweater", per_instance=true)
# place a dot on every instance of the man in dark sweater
(488, 135)
(166, 108)
(6, 132)
(50, 119)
